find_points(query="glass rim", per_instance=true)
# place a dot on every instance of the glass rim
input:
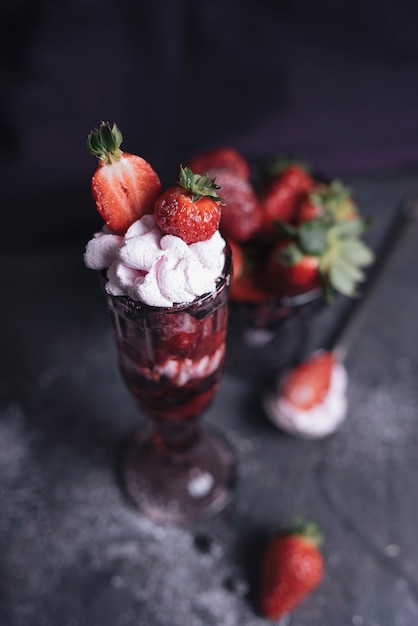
(294, 301)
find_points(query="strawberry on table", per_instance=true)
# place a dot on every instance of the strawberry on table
(292, 567)
(124, 186)
(279, 200)
(307, 384)
(191, 209)
(221, 158)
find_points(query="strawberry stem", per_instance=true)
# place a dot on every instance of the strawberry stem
(197, 185)
(104, 143)
(307, 529)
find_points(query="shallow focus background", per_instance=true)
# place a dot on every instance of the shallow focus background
(335, 84)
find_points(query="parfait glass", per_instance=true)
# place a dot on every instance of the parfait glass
(171, 360)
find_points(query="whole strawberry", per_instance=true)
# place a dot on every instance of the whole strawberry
(290, 270)
(321, 250)
(279, 200)
(221, 158)
(292, 567)
(191, 209)
(124, 186)
(241, 217)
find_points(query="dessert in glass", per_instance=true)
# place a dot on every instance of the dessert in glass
(171, 360)
(296, 240)
(166, 272)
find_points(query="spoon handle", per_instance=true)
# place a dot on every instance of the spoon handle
(341, 340)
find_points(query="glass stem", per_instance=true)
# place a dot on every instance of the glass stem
(174, 439)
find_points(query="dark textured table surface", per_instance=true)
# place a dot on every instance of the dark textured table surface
(72, 550)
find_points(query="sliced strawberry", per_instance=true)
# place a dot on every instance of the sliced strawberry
(292, 567)
(241, 216)
(279, 201)
(191, 209)
(307, 385)
(221, 158)
(124, 186)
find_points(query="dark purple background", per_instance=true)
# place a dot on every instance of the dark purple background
(334, 83)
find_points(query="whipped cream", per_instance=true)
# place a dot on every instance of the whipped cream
(182, 372)
(320, 421)
(154, 268)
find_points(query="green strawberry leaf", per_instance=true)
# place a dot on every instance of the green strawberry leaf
(198, 185)
(327, 289)
(343, 277)
(351, 228)
(286, 229)
(356, 252)
(290, 255)
(313, 237)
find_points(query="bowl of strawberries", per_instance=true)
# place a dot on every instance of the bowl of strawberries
(297, 241)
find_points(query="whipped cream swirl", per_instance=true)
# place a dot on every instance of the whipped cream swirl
(159, 270)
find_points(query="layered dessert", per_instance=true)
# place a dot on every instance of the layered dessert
(170, 354)
(166, 273)
(310, 401)
(166, 270)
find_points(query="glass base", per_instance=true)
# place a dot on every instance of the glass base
(179, 488)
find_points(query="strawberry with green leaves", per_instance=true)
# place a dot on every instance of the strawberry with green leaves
(124, 186)
(292, 567)
(333, 198)
(323, 251)
(289, 270)
(190, 209)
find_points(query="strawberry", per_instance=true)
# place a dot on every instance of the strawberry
(238, 262)
(307, 384)
(322, 250)
(290, 271)
(191, 209)
(124, 186)
(246, 285)
(334, 198)
(241, 217)
(279, 201)
(308, 208)
(248, 288)
(292, 567)
(221, 158)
